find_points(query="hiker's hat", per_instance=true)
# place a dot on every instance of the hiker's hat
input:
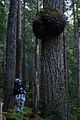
(17, 80)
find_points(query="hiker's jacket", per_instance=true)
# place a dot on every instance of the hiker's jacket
(19, 89)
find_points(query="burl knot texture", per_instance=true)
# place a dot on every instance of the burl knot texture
(48, 23)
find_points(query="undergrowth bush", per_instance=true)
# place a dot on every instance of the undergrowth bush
(12, 115)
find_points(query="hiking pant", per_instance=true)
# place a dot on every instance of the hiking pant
(20, 100)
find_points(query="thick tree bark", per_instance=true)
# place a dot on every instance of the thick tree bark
(10, 55)
(19, 43)
(52, 76)
(52, 86)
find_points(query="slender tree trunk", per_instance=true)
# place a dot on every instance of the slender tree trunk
(77, 47)
(36, 82)
(23, 36)
(37, 70)
(18, 43)
(78, 118)
(10, 55)
(66, 78)
(66, 71)
(53, 92)
(78, 56)
(1, 104)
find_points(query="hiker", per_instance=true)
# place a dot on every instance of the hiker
(19, 92)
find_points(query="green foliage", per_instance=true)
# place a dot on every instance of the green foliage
(2, 39)
(72, 70)
(12, 115)
(29, 40)
(2, 22)
(48, 118)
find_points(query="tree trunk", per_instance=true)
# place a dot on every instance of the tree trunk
(37, 70)
(37, 79)
(78, 57)
(66, 71)
(23, 50)
(19, 44)
(10, 55)
(53, 92)
(77, 50)
(79, 70)
(1, 104)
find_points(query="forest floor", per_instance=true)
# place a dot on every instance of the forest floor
(33, 117)
(26, 115)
